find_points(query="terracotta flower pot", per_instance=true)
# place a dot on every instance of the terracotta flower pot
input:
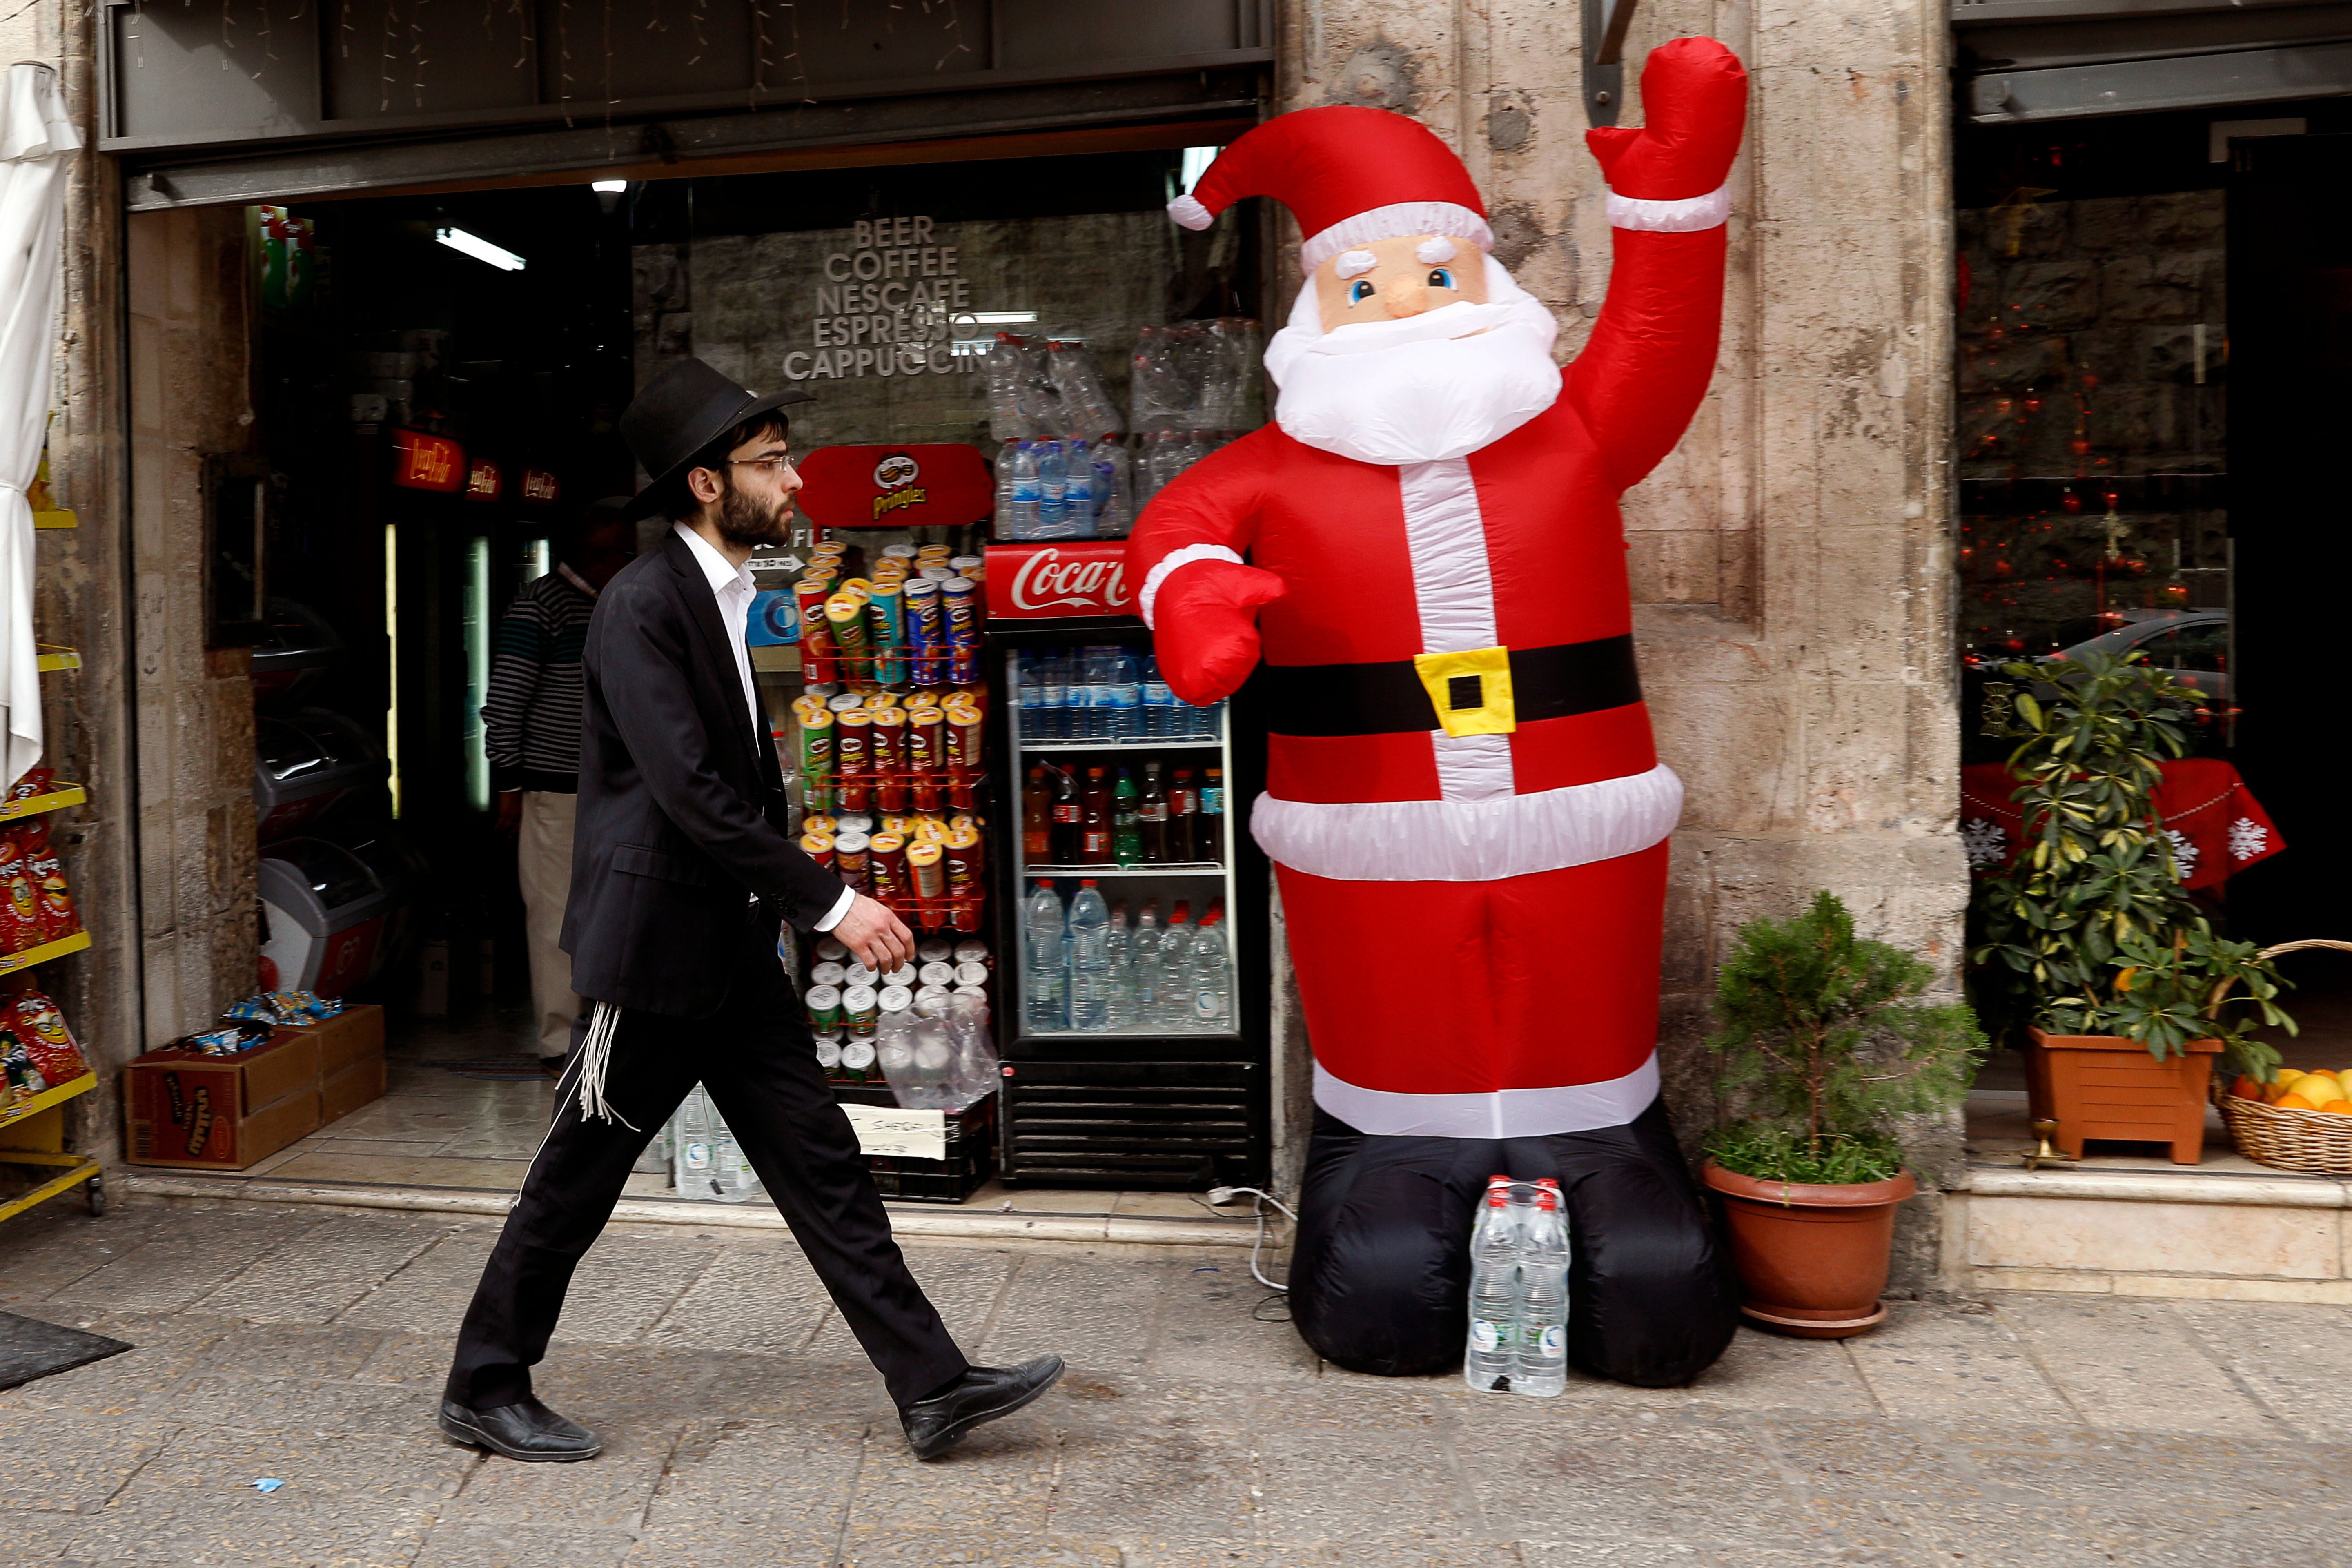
(1811, 1260)
(2104, 1086)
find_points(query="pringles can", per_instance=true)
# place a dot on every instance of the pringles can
(818, 846)
(885, 627)
(817, 662)
(926, 635)
(845, 617)
(850, 857)
(852, 756)
(815, 750)
(861, 1006)
(924, 868)
(885, 866)
(960, 601)
(824, 1007)
(885, 756)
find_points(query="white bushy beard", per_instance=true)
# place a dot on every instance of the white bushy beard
(1420, 390)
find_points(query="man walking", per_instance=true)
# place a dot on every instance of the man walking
(531, 730)
(683, 866)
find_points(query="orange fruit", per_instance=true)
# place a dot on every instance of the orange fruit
(2294, 1103)
(2248, 1087)
(2336, 1107)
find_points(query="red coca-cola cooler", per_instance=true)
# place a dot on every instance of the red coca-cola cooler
(1144, 1066)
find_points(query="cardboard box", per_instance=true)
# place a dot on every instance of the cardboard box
(341, 1093)
(182, 1107)
(352, 1036)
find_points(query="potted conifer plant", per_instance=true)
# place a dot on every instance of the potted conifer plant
(2086, 944)
(1827, 1041)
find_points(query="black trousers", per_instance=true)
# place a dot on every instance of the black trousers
(1380, 1278)
(757, 1060)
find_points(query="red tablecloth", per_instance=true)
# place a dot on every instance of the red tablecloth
(2218, 828)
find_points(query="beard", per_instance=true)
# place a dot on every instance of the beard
(1423, 389)
(745, 519)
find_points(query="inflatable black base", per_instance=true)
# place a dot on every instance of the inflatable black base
(1380, 1279)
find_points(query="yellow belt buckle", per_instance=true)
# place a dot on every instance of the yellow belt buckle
(1471, 691)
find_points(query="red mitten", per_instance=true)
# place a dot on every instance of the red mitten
(1204, 627)
(1695, 99)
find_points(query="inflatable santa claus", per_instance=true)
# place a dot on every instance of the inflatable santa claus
(1420, 563)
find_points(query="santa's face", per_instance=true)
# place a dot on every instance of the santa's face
(1390, 279)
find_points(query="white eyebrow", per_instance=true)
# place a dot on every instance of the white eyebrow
(1356, 263)
(1435, 251)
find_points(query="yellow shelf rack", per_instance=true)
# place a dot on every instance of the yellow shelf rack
(58, 517)
(33, 1134)
(52, 657)
(57, 799)
(13, 961)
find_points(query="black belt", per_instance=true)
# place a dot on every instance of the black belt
(1321, 700)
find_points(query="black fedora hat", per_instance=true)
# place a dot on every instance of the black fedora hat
(684, 409)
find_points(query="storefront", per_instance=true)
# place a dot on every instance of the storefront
(419, 283)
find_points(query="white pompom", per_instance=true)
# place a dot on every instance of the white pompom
(1356, 263)
(1435, 251)
(1189, 213)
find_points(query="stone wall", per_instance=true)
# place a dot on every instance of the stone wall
(1792, 562)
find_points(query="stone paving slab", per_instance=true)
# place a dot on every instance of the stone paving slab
(1193, 1430)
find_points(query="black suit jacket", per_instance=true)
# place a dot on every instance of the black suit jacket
(681, 808)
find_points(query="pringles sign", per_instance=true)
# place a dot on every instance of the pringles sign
(1069, 577)
(927, 486)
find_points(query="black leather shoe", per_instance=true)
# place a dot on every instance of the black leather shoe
(527, 1430)
(983, 1393)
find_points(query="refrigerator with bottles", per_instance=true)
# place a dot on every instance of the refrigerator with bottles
(1131, 908)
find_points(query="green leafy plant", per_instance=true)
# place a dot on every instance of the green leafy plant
(1829, 1039)
(2088, 931)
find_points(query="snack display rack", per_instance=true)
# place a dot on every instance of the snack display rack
(32, 1132)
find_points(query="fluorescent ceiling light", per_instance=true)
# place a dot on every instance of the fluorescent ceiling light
(1196, 163)
(480, 249)
(999, 317)
(608, 187)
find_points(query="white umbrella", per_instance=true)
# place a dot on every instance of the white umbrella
(34, 138)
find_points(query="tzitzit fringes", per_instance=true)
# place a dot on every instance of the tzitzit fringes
(595, 1056)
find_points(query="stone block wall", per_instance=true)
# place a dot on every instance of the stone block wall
(1792, 560)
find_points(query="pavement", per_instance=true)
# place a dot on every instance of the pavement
(742, 1427)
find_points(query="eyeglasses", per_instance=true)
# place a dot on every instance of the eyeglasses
(774, 462)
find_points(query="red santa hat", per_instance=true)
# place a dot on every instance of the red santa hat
(1349, 176)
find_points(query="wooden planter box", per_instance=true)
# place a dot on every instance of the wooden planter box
(2104, 1086)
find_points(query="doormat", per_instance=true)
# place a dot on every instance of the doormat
(504, 1069)
(31, 1348)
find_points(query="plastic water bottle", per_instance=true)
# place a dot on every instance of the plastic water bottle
(1143, 949)
(1090, 960)
(1160, 704)
(1056, 678)
(709, 1163)
(1094, 674)
(1053, 491)
(1023, 489)
(1212, 979)
(1120, 944)
(1114, 497)
(1031, 672)
(1124, 715)
(1541, 1343)
(1078, 492)
(1044, 985)
(1172, 1003)
(1487, 1359)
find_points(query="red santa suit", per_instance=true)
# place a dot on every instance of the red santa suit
(1462, 800)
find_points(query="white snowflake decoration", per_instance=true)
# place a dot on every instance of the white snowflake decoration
(2184, 854)
(2248, 838)
(1985, 842)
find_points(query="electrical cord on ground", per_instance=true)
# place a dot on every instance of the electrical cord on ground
(1220, 1196)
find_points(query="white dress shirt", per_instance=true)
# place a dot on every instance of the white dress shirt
(732, 586)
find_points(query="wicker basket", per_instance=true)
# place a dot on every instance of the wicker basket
(2316, 1141)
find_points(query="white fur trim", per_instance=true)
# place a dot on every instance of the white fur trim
(1356, 263)
(1190, 214)
(1184, 556)
(1435, 251)
(1396, 221)
(1453, 588)
(1470, 840)
(1687, 217)
(1505, 1113)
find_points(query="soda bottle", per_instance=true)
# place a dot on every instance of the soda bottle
(1037, 817)
(1144, 952)
(1095, 820)
(1183, 818)
(1044, 985)
(1151, 819)
(1172, 1004)
(1126, 837)
(1024, 488)
(1541, 1343)
(1120, 944)
(1067, 840)
(1212, 979)
(1209, 822)
(1487, 1359)
(1090, 926)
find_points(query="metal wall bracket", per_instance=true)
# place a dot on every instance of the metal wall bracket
(1605, 22)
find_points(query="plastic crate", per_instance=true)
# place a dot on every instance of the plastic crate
(972, 1152)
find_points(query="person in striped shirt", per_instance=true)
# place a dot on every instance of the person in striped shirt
(530, 724)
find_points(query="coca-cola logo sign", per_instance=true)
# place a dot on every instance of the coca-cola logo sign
(1071, 578)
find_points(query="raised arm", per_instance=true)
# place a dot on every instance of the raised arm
(1646, 365)
(1192, 587)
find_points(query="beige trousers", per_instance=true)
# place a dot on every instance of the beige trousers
(544, 859)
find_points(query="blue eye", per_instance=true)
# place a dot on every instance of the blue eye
(1359, 292)
(1441, 278)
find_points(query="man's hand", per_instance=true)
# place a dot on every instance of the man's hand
(509, 818)
(879, 938)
